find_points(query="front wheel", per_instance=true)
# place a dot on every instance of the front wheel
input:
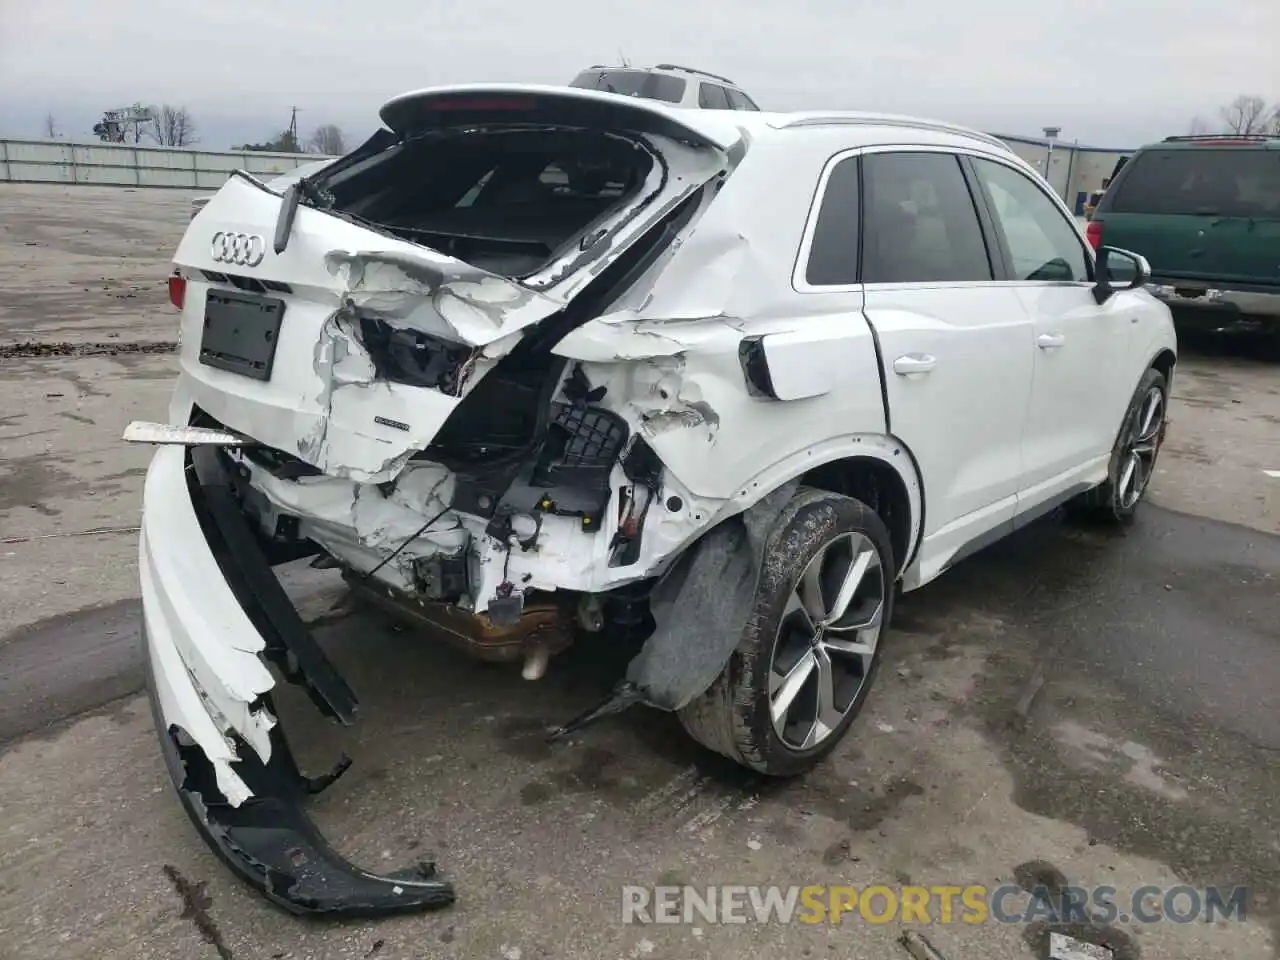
(809, 654)
(1133, 459)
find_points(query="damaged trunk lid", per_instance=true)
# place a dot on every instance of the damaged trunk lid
(343, 321)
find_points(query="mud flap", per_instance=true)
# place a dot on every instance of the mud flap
(701, 606)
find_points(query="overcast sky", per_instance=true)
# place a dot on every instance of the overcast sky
(1108, 72)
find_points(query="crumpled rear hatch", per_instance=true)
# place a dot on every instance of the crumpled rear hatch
(343, 321)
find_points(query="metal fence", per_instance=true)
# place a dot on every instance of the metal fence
(129, 165)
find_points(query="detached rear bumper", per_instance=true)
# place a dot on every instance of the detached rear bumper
(214, 615)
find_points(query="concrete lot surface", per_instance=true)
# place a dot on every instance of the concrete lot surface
(1070, 706)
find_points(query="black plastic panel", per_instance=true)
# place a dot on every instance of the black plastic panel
(240, 332)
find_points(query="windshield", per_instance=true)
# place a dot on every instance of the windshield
(1224, 182)
(632, 83)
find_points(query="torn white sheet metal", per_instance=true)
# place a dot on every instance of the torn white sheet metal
(144, 431)
(330, 259)
(1062, 947)
(323, 402)
(344, 515)
(720, 442)
(361, 525)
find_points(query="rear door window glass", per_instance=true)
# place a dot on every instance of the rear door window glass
(1225, 182)
(920, 222)
(668, 89)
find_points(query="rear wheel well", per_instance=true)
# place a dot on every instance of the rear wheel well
(877, 485)
(1164, 362)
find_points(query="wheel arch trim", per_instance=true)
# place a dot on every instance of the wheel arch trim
(879, 448)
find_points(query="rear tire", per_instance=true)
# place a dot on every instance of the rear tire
(1133, 458)
(809, 654)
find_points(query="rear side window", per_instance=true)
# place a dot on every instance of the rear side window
(1204, 181)
(713, 97)
(920, 223)
(833, 253)
(739, 100)
(668, 89)
(632, 83)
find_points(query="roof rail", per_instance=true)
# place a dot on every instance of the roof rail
(1192, 137)
(824, 119)
(703, 73)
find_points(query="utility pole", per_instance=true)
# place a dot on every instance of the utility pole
(293, 130)
(1051, 134)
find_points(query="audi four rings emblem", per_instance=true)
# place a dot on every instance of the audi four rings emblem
(244, 249)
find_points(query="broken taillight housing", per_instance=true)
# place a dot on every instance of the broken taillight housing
(177, 289)
(1093, 233)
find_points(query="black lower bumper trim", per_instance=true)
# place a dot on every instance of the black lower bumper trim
(271, 843)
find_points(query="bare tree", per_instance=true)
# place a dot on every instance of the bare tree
(50, 125)
(329, 140)
(1198, 127)
(1245, 114)
(172, 126)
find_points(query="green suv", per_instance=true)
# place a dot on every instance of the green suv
(1205, 212)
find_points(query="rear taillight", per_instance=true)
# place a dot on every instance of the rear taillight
(177, 290)
(1093, 233)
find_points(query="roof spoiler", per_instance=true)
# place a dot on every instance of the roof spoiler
(423, 110)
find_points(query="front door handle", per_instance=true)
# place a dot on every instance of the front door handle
(914, 363)
(1050, 341)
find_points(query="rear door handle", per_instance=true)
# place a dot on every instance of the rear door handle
(1050, 341)
(914, 363)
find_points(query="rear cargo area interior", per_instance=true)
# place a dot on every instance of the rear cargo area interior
(502, 199)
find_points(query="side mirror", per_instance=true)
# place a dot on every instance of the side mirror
(1118, 269)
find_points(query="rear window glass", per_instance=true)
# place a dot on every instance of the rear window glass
(632, 83)
(1209, 182)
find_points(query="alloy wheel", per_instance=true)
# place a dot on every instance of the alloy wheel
(1140, 455)
(826, 640)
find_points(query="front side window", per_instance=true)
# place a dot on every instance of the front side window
(1042, 244)
(920, 224)
(739, 100)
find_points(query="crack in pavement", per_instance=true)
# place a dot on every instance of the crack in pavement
(102, 348)
(195, 907)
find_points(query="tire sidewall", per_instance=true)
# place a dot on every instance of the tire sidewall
(1151, 378)
(817, 520)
